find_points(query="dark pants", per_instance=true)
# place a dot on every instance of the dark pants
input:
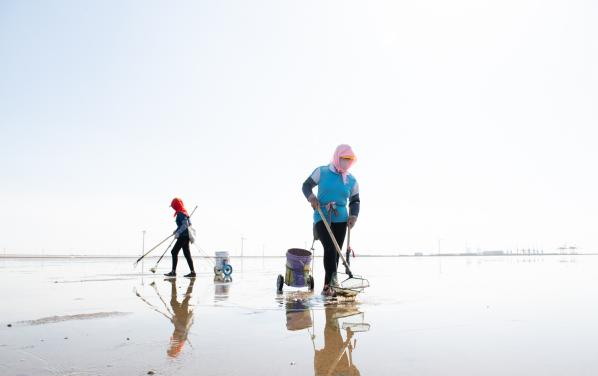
(330, 254)
(184, 244)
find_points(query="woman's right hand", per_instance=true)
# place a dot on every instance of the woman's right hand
(313, 200)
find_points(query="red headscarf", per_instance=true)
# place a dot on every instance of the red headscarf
(178, 206)
(176, 345)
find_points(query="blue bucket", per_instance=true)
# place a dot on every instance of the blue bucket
(298, 267)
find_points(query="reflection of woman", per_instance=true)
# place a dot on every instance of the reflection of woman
(335, 358)
(182, 236)
(336, 188)
(182, 318)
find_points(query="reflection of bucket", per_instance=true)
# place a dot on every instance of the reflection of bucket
(298, 316)
(298, 267)
(221, 288)
(221, 258)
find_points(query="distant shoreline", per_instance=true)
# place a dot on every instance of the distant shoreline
(129, 257)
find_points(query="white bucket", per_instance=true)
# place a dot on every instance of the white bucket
(221, 258)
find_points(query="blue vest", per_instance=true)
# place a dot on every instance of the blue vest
(331, 188)
(180, 220)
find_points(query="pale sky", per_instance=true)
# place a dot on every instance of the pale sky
(475, 122)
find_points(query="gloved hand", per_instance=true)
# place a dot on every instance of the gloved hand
(351, 221)
(176, 236)
(313, 200)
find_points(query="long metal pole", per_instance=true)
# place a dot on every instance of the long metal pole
(338, 248)
(242, 241)
(142, 249)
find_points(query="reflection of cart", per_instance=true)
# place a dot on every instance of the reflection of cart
(298, 270)
(221, 287)
(223, 267)
(298, 315)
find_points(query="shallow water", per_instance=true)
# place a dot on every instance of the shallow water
(421, 316)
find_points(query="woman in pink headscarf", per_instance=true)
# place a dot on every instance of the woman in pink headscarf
(336, 188)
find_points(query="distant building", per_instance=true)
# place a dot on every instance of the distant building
(493, 253)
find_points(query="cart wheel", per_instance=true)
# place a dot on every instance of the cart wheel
(227, 269)
(279, 283)
(310, 283)
(217, 270)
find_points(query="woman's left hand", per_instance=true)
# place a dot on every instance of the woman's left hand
(351, 221)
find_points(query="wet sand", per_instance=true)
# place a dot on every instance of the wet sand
(421, 316)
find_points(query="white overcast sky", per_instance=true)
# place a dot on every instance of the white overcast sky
(475, 122)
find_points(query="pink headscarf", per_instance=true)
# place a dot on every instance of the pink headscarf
(345, 151)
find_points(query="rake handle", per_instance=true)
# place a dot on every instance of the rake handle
(160, 259)
(159, 244)
(336, 246)
(156, 246)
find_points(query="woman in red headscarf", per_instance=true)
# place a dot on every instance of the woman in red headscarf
(182, 236)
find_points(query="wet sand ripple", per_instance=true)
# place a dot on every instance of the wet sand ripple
(82, 316)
